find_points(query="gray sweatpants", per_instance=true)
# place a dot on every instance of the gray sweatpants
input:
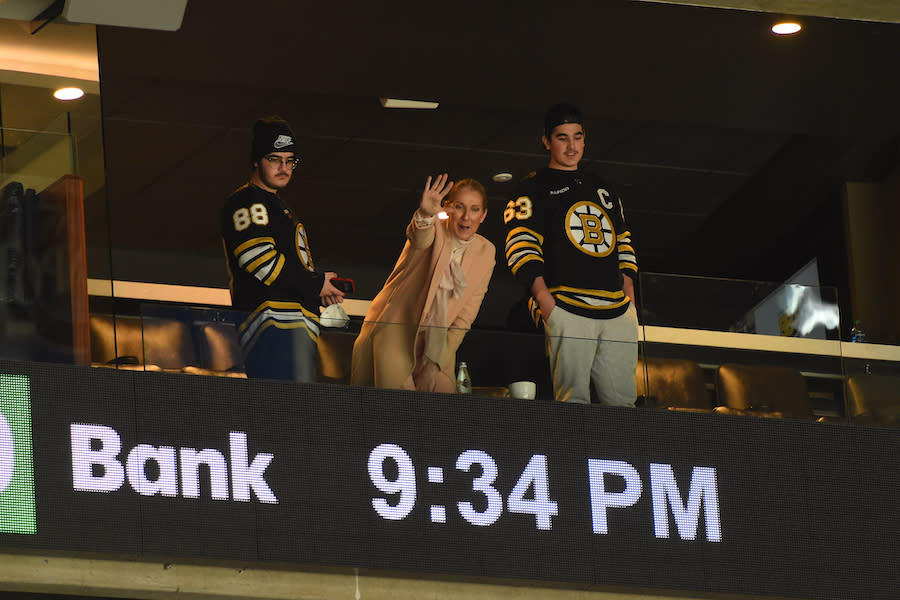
(584, 351)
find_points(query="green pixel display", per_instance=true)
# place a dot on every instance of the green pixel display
(17, 507)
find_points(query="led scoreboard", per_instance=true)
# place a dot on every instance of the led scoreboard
(208, 468)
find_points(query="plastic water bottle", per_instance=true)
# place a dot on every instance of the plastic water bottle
(857, 334)
(463, 382)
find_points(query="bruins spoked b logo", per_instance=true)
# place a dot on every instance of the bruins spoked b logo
(590, 229)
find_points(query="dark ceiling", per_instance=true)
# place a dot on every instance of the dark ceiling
(724, 139)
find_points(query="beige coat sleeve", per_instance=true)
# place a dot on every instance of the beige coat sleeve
(420, 237)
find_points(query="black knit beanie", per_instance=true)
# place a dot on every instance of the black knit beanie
(271, 135)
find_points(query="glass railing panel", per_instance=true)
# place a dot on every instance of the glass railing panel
(693, 327)
(207, 340)
(683, 372)
(191, 339)
(499, 363)
(739, 306)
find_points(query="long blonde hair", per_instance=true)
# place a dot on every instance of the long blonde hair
(472, 184)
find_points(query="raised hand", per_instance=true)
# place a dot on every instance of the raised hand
(434, 194)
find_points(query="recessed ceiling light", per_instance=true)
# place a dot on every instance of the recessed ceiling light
(401, 103)
(502, 177)
(786, 27)
(68, 93)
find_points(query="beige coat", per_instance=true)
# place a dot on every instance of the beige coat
(384, 352)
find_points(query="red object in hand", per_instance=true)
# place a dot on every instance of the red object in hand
(344, 284)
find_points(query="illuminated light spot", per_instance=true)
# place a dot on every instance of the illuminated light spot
(786, 28)
(68, 93)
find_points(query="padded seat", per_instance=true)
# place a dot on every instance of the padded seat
(672, 383)
(168, 343)
(218, 350)
(762, 391)
(149, 343)
(874, 399)
(117, 342)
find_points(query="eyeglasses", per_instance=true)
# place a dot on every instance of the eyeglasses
(275, 161)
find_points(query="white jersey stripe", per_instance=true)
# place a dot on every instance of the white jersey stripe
(264, 269)
(249, 255)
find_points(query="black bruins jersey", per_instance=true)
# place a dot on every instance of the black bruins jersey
(569, 227)
(270, 264)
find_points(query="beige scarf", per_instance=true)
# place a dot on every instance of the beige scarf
(452, 285)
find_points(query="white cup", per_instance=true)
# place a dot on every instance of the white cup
(334, 315)
(523, 389)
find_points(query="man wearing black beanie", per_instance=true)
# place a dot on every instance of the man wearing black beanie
(271, 267)
(568, 244)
